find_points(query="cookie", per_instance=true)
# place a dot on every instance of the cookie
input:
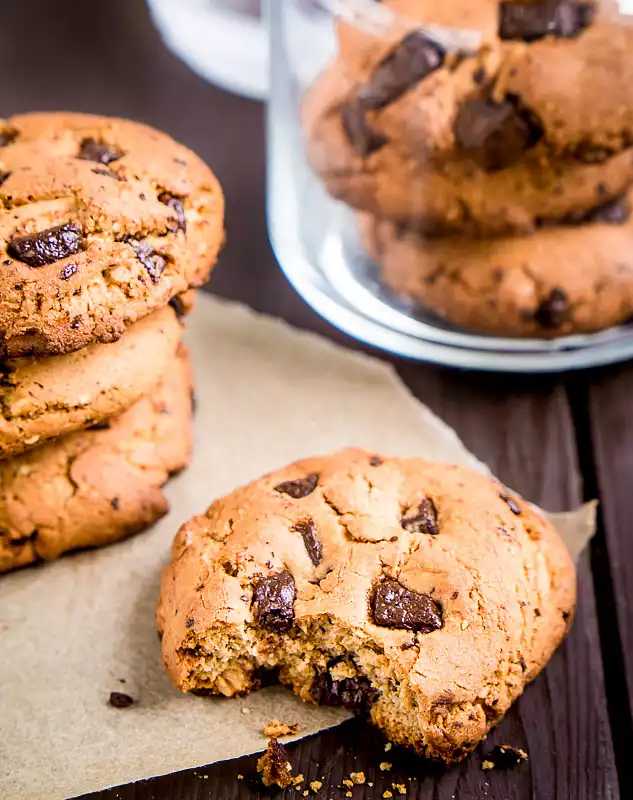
(97, 486)
(493, 168)
(102, 221)
(43, 398)
(422, 594)
(563, 279)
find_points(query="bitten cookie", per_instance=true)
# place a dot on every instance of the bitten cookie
(563, 279)
(43, 398)
(97, 486)
(474, 144)
(102, 221)
(423, 594)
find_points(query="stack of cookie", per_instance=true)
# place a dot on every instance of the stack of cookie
(488, 148)
(105, 228)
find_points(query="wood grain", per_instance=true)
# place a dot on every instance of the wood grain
(107, 58)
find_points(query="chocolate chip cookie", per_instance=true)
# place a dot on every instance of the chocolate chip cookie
(42, 398)
(102, 221)
(421, 594)
(563, 279)
(97, 486)
(476, 145)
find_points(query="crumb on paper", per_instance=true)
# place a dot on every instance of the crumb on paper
(400, 788)
(275, 728)
(388, 747)
(357, 777)
(274, 766)
(504, 756)
(246, 710)
(315, 786)
(120, 700)
(385, 766)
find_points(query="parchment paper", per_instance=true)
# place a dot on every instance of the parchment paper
(71, 631)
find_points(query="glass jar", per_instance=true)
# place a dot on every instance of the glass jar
(450, 181)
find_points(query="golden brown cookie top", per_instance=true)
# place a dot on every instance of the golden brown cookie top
(453, 579)
(101, 222)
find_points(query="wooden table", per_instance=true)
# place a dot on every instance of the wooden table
(558, 440)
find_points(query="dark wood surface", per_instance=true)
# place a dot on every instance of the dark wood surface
(556, 439)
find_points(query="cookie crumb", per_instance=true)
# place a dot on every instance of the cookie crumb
(240, 777)
(315, 786)
(385, 766)
(275, 728)
(246, 710)
(357, 777)
(298, 779)
(400, 788)
(305, 792)
(370, 784)
(120, 700)
(348, 783)
(504, 756)
(388, 747)
(274, 766)
(387, 793)
(348, 794)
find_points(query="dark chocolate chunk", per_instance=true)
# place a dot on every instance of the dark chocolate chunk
(3, 176)
(48, 246)
(395, 606)
(479, 75)
(68, 271)
(152, 260)
(528, 21)
(92, 150)
(8, 135)
(302, 487)
(512, 504)
(108, 174)
(552, 312)
(178, 305)
(415, 57)
(523, 665)
(190, 622)
(424, 520)
(273, 601)
(76, 323)
(115, 503)
(308, 530)
(354, 694)
(360, 134)
(504, 756)
(120, 700)
(375, 461)
(177, 205)
(614, 212)
(495, 135)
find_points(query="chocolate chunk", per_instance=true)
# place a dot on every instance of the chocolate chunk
(375, 461)
(552, 312)
(177, 205)
(523, 665)
(68, 271)
(354, 694)
(190, 622)
(361, 136)
(514, 507)
(495, 135)
(302, 487)
(3, 177)
(115, 503)
(395, 606)
(178, 305)
(120, 700)
(92, 150)
(152, 260)
(47, 246)
(413, 59)
(614, 212)
(273, 601)
(106, 173)
(424, 520)
(8, 135)
(504, 756)
(308, 530)
(528, 21)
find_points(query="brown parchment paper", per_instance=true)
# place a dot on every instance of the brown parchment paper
(71, 631)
